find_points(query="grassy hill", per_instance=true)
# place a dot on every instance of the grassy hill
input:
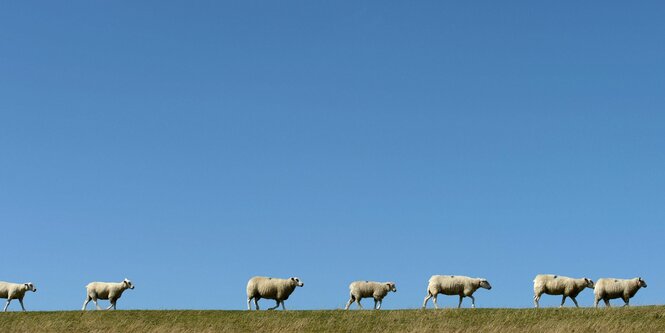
(634, 319)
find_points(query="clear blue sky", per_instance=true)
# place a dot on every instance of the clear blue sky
(191, 145)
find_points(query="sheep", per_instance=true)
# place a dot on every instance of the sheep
(271, 288)
(12, 291)
(610, 288)
(559, 285)
(463, 286)
(366, 289)
(106, 290)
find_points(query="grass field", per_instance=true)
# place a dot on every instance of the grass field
(634, 319)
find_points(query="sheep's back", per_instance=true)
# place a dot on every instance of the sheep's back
(447, 285)
(611, 287)
(553, 283)
(101, 289)
(264, 287)
(364, 288)
(4, 289)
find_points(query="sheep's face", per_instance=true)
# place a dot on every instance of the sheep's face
(297, 281)
(128, 284)
(589, 283)
(30, 287)
(641, 282)
(485, 284)
(391, 286)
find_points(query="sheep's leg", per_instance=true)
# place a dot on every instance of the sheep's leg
(85, 303)
(426, 299)
(112, 305)
(563, 300)
(275, 307)
(20, 300)
(436, 304)
(575, 301)
(536, 299)
(459, 305)
(607, 302)
(249, 303)
(7, 304)
(377, 304)
(348, 304)
(256, 302)
(283, 307)
(94, 300)
(627, 301)
(595, 302)
(473, 301)
(359, 305)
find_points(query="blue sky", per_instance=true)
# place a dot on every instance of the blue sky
(191, 145)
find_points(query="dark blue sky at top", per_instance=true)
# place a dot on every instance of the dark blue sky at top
(189, 145)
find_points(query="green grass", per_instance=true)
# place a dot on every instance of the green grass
(634, 319)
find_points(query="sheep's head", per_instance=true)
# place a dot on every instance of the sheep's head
(128, 284)
(297, 282)
(589, 283)
(391, 286)
(485, 284)
(641, 282)
(30, 286)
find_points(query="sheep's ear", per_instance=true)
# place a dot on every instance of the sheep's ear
(27, 285)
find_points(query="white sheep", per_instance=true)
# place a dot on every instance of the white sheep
(367, 289)
(270, 288)
(463, 286)
(610, 288)
(106, 290)
(17, 291)
(559, 285)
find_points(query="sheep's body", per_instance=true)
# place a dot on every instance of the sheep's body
(17, 291)
(559, 285)
(366, 289)
(271, 288)
(610, 288)
(106, 290)
(462, 286)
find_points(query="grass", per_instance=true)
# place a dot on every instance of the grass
(634, 319)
